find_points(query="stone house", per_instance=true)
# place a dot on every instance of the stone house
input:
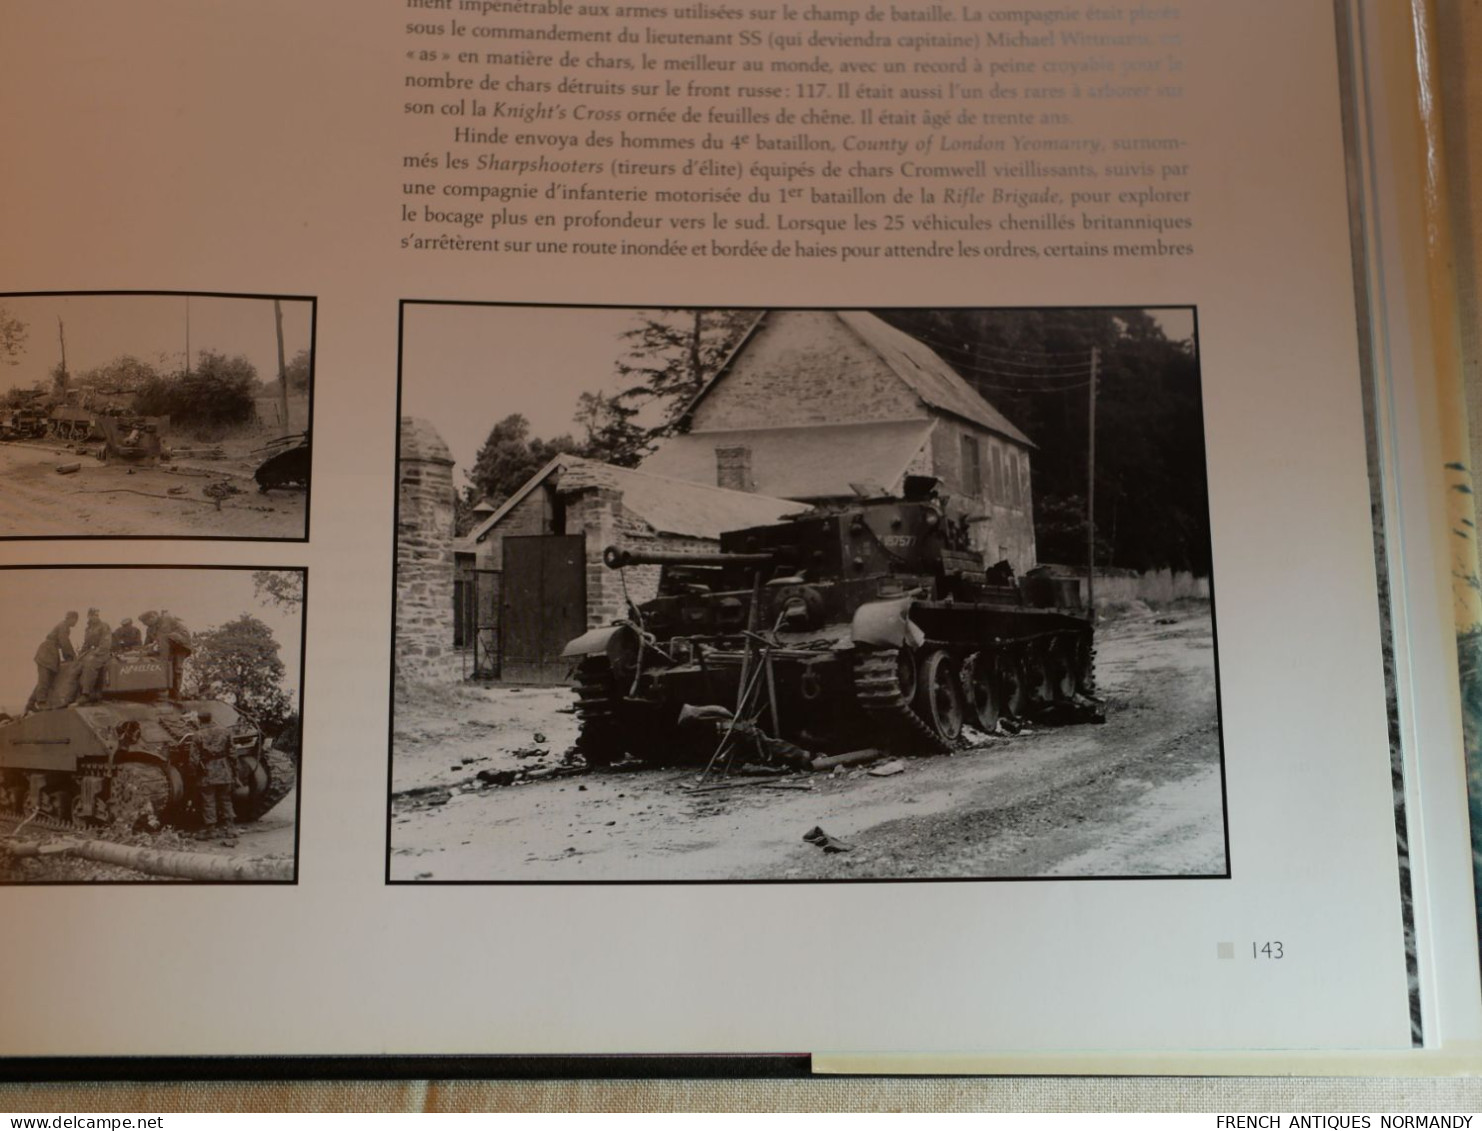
(820, 406)
(535, 564)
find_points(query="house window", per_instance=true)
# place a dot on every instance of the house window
(972, 465)
(733, 469)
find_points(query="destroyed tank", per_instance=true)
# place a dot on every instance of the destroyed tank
(127, 756)
(130, 439)
(22, 424)
(287, 463)
(871, 626)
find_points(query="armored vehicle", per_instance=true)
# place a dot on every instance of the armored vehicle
(22, 424)
(73, 422)
(871, 626)
(130, 439)
(286, 464)
(129, 754)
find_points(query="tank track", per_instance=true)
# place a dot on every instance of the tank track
(280, 782)
(877, 686)
(136, 786)
(42, 821)
(600, 741)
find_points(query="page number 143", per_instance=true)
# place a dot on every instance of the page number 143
(1267, 950)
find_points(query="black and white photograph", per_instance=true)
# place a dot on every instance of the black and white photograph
(691, 595)
(150, 722)
(155, 415)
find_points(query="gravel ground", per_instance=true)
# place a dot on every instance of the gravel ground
(109, 498)
(1139, 795)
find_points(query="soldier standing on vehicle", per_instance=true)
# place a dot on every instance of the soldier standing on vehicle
(97, 648)
(212, 748)
(127, 636)
(55, 650)
(170, 639)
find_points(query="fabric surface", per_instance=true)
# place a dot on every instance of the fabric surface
(966, 1095)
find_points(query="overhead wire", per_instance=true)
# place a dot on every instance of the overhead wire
(1047, 357)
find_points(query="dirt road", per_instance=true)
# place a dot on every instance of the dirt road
(111, 499)
(1139, 795)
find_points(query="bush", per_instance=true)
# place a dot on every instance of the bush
(218, 393)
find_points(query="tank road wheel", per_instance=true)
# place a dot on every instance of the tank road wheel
(12, 791)
(271, 778)
(1013, 699)
(1039, 679)
(57, 799)
(1085, 665)
(1063, 668)
(981, 692)
(600, 741)
(82, 813)
(937, 698)
(138, 794)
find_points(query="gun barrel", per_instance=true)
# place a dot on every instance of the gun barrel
(616, 558)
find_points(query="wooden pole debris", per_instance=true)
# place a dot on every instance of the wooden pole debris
(852, 758)
(161, 862)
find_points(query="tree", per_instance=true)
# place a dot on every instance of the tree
(610, 434)
(12, 338)
(124, 373)
(298, 372)
(509, 457)
(238, 663)
(281, 587)
(1034, 366)
(671, 354)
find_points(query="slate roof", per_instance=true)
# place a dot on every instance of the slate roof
(812, 462)
(670, 506)
(918, 365)
(931, 378)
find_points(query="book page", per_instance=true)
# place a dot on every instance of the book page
(1161, 816)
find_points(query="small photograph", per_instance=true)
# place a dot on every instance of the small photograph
(801, 595)
(150, 723)
(154, 415)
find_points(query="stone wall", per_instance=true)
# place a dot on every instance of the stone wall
(598, 512)
(533, 514)
(424, 556)
(805, 367)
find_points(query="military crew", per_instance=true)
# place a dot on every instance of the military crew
(171, 639)
(97, 648)
(212, 748)
(127, 636)
(55, 650)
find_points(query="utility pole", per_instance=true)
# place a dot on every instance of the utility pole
(1091, 489)
(62, 337)
(282, 368)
